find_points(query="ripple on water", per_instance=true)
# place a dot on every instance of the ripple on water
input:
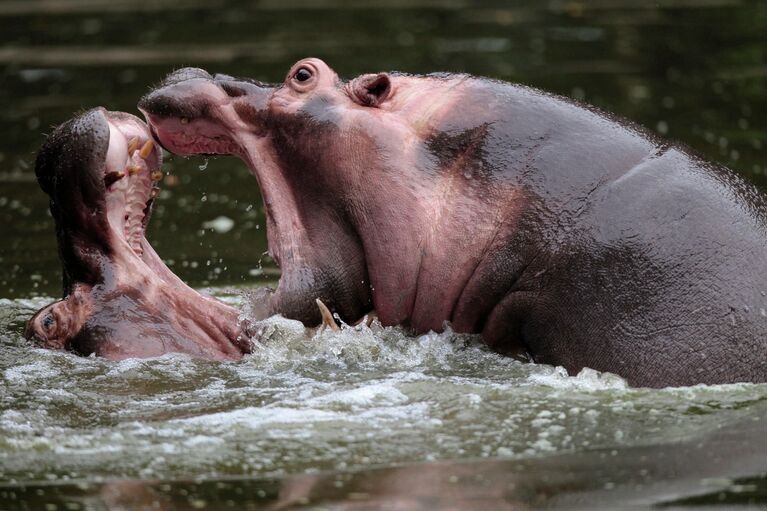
(333, 400)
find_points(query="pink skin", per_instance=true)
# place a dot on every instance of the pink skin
(376, 151)
(552, 229)
(134, 306)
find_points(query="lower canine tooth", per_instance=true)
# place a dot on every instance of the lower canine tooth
(327, 317)
(146, 149)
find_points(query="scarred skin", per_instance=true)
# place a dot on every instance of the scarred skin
(550, 228)
(120, 300)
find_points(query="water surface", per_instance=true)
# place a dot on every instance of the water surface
(374, 408)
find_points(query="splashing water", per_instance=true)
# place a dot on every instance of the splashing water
(328, 401)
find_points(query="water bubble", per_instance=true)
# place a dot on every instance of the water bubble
(220, 224)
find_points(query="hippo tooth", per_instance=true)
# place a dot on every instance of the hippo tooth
(327, 317)
(132, 145)
(111, 177)
(155, 191)
(184, 120)
(146, 149)
(157, 175)
(132, 169)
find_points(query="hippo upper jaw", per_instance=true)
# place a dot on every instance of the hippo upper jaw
(100, 171)
(319, 253)
(192, 112)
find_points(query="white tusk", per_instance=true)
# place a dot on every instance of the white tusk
(327, 317)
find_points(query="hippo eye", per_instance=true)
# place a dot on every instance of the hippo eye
(302, 74)
(49, 323)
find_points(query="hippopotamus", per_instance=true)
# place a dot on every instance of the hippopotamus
(558, 232)
(101, 170)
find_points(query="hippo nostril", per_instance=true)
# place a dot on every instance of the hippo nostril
(232, 90)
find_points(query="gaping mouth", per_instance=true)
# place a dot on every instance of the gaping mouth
(131, 175)
(101, 171)
(192, 113)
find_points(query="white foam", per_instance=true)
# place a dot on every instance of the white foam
(258, 418)
(39, 370)
(587, 379)
(374, 394)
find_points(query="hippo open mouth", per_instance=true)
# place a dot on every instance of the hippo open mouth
(101, 171)
(131, 171)
(319, 252)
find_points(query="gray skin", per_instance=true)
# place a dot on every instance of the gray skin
(551, 228)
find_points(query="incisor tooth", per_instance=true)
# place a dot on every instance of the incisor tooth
(146, 149)
(132, 169)
(132, 145)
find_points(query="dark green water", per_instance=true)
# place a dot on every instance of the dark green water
(693, 70)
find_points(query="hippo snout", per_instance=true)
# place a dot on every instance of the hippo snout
(175, 96)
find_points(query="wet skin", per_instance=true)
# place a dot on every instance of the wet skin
(120, 300)
(552, 229)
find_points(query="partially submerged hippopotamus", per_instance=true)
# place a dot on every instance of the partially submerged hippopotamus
(100, 170)
(553, 229)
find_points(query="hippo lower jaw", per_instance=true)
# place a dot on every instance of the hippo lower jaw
(121, 300)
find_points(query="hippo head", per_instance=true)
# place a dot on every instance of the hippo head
(336, 163)
(100, 171)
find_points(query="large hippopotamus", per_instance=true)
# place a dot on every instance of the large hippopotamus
(101, 171)
(556, 231)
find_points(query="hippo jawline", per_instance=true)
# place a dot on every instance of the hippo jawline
(101, 171)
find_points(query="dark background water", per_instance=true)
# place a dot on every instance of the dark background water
(693, 70)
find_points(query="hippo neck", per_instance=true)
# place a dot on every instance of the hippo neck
(484, 195)
(421, 251)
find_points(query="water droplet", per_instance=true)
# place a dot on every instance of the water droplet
(220, 224)
(204, 165)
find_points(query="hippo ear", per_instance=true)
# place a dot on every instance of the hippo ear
(371, 90)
